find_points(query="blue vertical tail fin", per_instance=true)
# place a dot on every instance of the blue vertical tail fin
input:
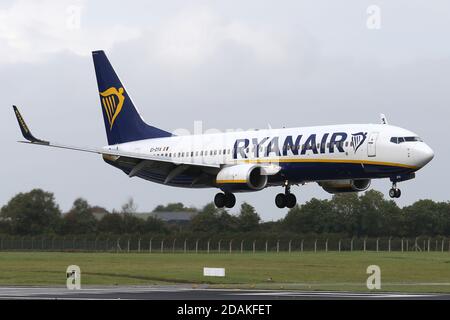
(123, 123)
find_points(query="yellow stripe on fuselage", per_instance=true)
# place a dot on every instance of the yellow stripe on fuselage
(368, 162)
(231, 181)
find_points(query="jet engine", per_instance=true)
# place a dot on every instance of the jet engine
(339, 186)
(242, 177)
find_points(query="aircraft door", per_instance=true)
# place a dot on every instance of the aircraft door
(372, 145)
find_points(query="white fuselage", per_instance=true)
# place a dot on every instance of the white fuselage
(322, 151)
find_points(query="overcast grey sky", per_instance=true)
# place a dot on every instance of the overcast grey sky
(230, 64)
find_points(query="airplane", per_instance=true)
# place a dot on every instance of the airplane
(339, 158)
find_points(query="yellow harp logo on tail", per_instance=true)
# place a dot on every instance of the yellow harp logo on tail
(112, 100)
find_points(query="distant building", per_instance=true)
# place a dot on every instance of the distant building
(169, 216)
(166, 216)
(99, 212)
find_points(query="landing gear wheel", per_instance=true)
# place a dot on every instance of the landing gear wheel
(395, 193)
(392, 193)
(280, 200)
(291, 200)
(220, 200)
(230, 200)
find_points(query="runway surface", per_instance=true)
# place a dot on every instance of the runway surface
(189, 293)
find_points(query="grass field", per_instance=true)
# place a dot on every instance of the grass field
(405, 272)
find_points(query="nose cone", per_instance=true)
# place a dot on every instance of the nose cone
(423, 154)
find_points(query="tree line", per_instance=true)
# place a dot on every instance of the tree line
(347, 215)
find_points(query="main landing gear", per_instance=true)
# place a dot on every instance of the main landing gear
(394, 192)
(224, 200)
(286, 199)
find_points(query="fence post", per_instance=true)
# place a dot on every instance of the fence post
(254, 245)
(208, 245)
(278, 246)
(315, 245)
(242, 246)
(407, 244)
(415, 244)
(196, 246)
(365, 240)
(442, 245)
(150, 246)
(185, 245)
(378, 239)
(402, 244)
(128, 245)
(220, 240)
(173, 245)
(139, 245)
(301, 245)
(290, 243)
(118, 245)
(266, 245)
(326, 246)
(351, 244)
(389, 244)
(339, 245)
(162, 246)
(231, 242)
(429, 240)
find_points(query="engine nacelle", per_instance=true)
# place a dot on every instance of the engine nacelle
(339, 186)
(242, 177)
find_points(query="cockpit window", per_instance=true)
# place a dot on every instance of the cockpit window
(411, 139)
(404, 139)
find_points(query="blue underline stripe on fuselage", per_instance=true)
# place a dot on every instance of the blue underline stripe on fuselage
(299, 171)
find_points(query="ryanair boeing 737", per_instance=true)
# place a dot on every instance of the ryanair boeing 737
(340, 158)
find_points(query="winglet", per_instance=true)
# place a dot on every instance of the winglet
(24, 128)
(383, 119)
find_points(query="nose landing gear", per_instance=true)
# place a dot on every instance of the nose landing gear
(286, 199)
(394, 192)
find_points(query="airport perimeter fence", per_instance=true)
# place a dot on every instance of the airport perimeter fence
(173, 245)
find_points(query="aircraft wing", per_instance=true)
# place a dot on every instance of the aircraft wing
(31, 139)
